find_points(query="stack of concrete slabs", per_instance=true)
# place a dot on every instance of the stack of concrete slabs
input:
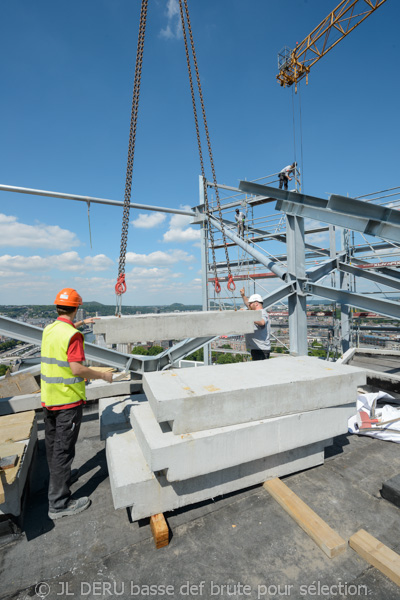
(198, 399)
(275, 423)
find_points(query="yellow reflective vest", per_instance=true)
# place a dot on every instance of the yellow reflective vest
(59, 385)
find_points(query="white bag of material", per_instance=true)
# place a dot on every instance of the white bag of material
(385, 421)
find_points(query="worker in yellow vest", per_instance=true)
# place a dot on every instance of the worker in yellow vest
(63, 395)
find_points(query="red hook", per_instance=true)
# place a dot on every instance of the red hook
(217, 286)
(231, 284)
(120, 286)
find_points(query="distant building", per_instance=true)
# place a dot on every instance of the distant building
(81, 314)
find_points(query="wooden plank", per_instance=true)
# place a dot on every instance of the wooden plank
(7, 462)
(377, 554)
(16, 427)
(18, 384)
(159, 529)
(16, 418)
(324, 536)
(8, 477)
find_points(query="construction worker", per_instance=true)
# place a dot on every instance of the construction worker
(258, 342)
(240, 219)
(284, 175)
(62, 396)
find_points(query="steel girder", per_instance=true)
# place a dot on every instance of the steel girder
(382, 307)
(338, 210)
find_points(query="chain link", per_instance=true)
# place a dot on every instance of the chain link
(120, 287)
(231, 284)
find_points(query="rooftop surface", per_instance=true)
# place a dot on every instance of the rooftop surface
(244, 541)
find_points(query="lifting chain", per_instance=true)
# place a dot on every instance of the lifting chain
(231, 284)
(120, 287)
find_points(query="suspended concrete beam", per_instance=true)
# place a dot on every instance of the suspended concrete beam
(338, 210)
(382, 307)
(105, 356)
(264, 260)
(91, 200)
(175, 326)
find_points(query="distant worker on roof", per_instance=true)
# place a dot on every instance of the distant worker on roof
(62, 396)
(284, 175)
(240, 218)
(258, 342)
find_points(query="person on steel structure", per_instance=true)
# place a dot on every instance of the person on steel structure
(258, 342)
(240, 219)
(284, 175)
(62, 396)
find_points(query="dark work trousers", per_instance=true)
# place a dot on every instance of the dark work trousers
(61, 429)
(259, 354)
(283, 181)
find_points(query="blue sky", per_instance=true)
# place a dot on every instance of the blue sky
(67, 77)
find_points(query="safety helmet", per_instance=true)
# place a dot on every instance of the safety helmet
(68, 297)
(237, 210)
(255, 298)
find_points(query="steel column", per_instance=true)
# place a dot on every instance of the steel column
(204, 267)
(297, 302)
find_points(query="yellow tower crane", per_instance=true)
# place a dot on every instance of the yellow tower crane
(295, 64)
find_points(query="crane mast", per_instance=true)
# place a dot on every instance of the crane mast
(295, 64)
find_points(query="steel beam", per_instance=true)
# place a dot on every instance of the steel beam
(270, 264)
(279, 294)
(370, 275)
(382, 307)
(338, 210)
(91, 200)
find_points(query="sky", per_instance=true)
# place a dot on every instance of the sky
(67, 71)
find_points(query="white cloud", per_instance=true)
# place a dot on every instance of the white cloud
(68, 261)
(159, 258)
(173, 29)
(181, 235)
(13, 233)
(145, 221)
(179, 231)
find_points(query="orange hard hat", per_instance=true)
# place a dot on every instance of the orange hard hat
(68, 297)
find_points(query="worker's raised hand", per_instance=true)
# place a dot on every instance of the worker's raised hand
(242, 292)
(90, 320)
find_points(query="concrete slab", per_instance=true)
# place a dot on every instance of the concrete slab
(198, 453)
(94, 391)
(209, 397)
(175, 326)
(134, 484)
(13, 492)
(114, 413)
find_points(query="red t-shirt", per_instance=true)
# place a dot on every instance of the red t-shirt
(75, 353)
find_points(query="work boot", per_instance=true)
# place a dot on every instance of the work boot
(73, 508)
(74, 476)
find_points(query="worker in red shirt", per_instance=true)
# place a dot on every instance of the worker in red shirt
(63, 394)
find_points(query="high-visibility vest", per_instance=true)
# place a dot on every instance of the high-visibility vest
(59, 385)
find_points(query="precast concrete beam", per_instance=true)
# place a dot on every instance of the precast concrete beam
(176, 326)
(198, 453)
(133, 483)
(217, 396)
